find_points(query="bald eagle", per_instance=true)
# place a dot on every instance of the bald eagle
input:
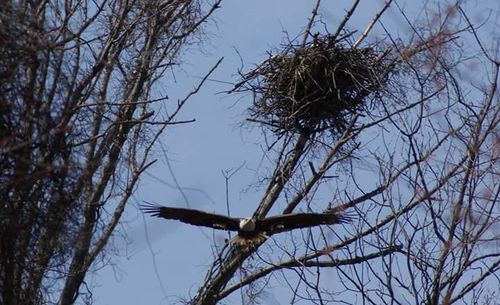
(251, 230)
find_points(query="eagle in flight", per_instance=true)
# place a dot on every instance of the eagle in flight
(251, 230)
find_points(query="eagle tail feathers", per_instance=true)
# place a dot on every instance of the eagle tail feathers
(248, 242)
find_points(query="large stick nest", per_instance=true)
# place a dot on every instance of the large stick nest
(314, 88)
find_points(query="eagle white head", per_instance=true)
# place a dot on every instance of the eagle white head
(247, 224)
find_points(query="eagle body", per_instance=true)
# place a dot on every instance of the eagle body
(251, 230)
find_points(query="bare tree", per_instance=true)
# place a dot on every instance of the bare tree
(339, 108)
(80, 111)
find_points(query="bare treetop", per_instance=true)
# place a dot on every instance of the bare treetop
(393, 132)
(80, 112)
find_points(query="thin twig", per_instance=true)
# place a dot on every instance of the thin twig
(371, 24)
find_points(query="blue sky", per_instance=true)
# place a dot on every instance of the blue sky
(166, 260)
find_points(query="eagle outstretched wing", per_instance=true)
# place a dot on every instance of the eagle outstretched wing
(287, 222)
(192, 217)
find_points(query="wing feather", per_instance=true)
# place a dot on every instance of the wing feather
(192, 217)
(287, 222)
